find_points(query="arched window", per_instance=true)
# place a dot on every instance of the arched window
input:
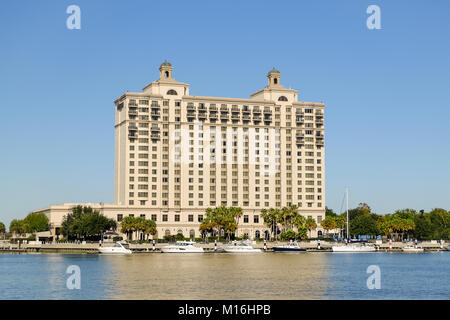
(275, 81)
(282, 98)
(319, 233)
(166, 74)
(172, 92)
(266, 235)
(257, 234)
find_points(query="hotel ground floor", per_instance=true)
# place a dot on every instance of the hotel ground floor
(173, 221)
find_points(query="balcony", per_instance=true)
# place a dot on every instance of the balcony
(256, 110)
(202, 108)
(155, 106)
(246, 117)
(299, 112)
(257, 117)
(132, 128)
(319, 142)
(155, 113)
(319, 137)
(246, 110)
(132, 136)
(267, 118)
(235, 116)
(299, 134)
(155, 136)
(213, 116)
(155, 129)
(212, 108)
(319, 121)
(191, 115)
(132, 112)
(190, 107)
(202, 115)
(224, 109)
(319, 114)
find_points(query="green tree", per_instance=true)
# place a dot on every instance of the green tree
(128, 226)
(271, 219)
(17, 226)
(311, 225)
(329, 223)
(220, 219)
(2, 228)
(440, 222)
(85, 223)
(329, 212)
(364, 224)
(36, 222)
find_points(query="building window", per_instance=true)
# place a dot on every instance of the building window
(164, 217)
(245, 218)
(119, 217)
(191, 218)
(172, 92)
(282, 98)
(177, 218)
(200, 218)
(256, 219)
(154, 217)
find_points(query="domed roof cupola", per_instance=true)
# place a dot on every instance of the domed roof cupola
(274, 77)
(165, 70)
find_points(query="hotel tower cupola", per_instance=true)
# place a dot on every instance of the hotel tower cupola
(274, 77)
(165, 71)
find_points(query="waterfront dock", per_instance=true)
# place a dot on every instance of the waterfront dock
(92, 248)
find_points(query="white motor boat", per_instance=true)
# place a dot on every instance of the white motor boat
(117, 249)
(412, 249)
(353, 248)
(289, 247)
(240, 247)
(182, 247)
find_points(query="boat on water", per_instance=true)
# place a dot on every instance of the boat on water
(352, 246)
(289, 247)
(412, 249)
(182, 247)
(240, 247)
(119, 248)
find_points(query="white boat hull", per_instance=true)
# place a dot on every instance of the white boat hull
(238, 250)
(181, 250)
(354, 249)
(412, 250)
(114, 251)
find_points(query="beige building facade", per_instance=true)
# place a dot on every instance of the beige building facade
(177, 154)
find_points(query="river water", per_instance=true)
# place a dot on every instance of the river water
(226, 276)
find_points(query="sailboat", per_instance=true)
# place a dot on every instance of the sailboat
(352, 247)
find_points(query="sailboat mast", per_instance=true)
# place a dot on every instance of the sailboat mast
(347, 214)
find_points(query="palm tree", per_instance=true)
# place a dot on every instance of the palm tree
(310, 224)
(149, 228)
(128, 225)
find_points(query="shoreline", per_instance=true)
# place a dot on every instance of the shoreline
(92, 248)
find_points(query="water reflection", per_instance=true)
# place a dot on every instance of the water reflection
(217, 276)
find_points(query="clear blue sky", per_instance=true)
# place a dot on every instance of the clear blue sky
(387, 91)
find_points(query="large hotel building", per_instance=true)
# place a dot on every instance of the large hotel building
(177, 154)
